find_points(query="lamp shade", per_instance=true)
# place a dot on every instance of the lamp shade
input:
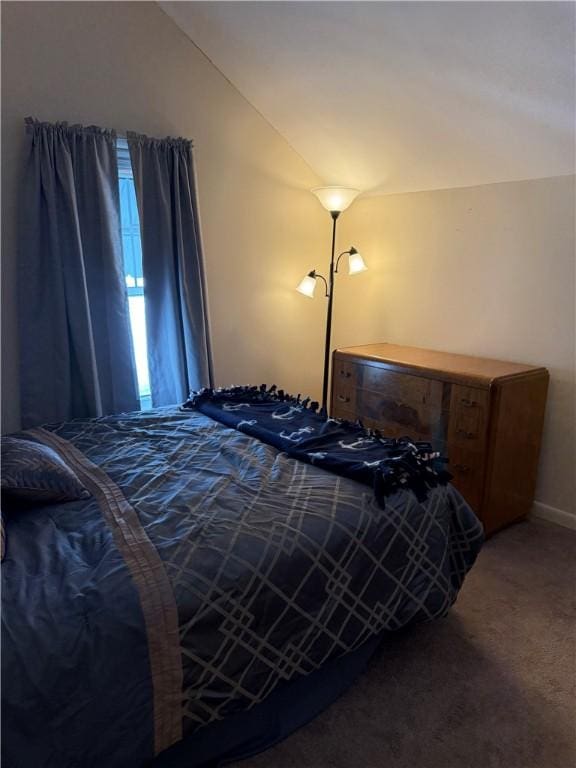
(307, 285)
(336, 198)
(355, 263)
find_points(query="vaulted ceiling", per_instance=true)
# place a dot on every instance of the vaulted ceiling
(403, 96)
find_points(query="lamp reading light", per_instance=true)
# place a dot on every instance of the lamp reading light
(308, 285)
(355, 263)
(336, 199)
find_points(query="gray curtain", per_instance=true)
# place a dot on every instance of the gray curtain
(75, 344)
(174, 287)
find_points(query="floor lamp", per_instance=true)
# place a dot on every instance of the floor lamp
(335, 200)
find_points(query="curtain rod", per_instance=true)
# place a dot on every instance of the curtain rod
(123, 135)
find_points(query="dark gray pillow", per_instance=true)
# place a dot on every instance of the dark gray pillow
(33, 472)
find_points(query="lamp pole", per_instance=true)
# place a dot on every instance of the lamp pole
(334, 200)
(334, 215)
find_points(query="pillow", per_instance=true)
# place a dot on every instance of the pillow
(33, 472)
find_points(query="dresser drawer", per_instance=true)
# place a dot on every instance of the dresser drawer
(468, 424)
(338, 412)
(344, 398)
(343, 387)
(344, 372)
(344, 380)
(467, 469)
(401, 405)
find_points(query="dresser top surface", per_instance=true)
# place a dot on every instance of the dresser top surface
(479, 369)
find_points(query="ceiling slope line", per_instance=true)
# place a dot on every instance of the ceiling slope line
(239, 92)
(368, 194)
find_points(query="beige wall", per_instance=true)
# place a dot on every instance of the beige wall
(485, 270)
(127, 66)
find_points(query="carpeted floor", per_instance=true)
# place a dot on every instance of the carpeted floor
(490, 686)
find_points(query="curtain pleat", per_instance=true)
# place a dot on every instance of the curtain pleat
(174, 286)
(76, 356)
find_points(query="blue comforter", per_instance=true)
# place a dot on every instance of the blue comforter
(205, 571)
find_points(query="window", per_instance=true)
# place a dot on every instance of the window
(133, 275)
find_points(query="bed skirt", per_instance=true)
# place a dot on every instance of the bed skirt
(284, 711)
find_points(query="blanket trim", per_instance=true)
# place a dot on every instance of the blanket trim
(152, 584)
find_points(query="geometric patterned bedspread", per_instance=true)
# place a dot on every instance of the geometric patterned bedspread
(207, 569)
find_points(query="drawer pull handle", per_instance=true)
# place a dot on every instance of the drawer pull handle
(463, 468)
(346, 374)
(467, 435)
(467, 403)
(343, 399)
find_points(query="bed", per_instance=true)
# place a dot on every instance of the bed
(209, 582)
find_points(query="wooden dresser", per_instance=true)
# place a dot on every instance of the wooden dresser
(486, 416)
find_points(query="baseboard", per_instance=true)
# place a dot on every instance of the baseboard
(553, 515)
